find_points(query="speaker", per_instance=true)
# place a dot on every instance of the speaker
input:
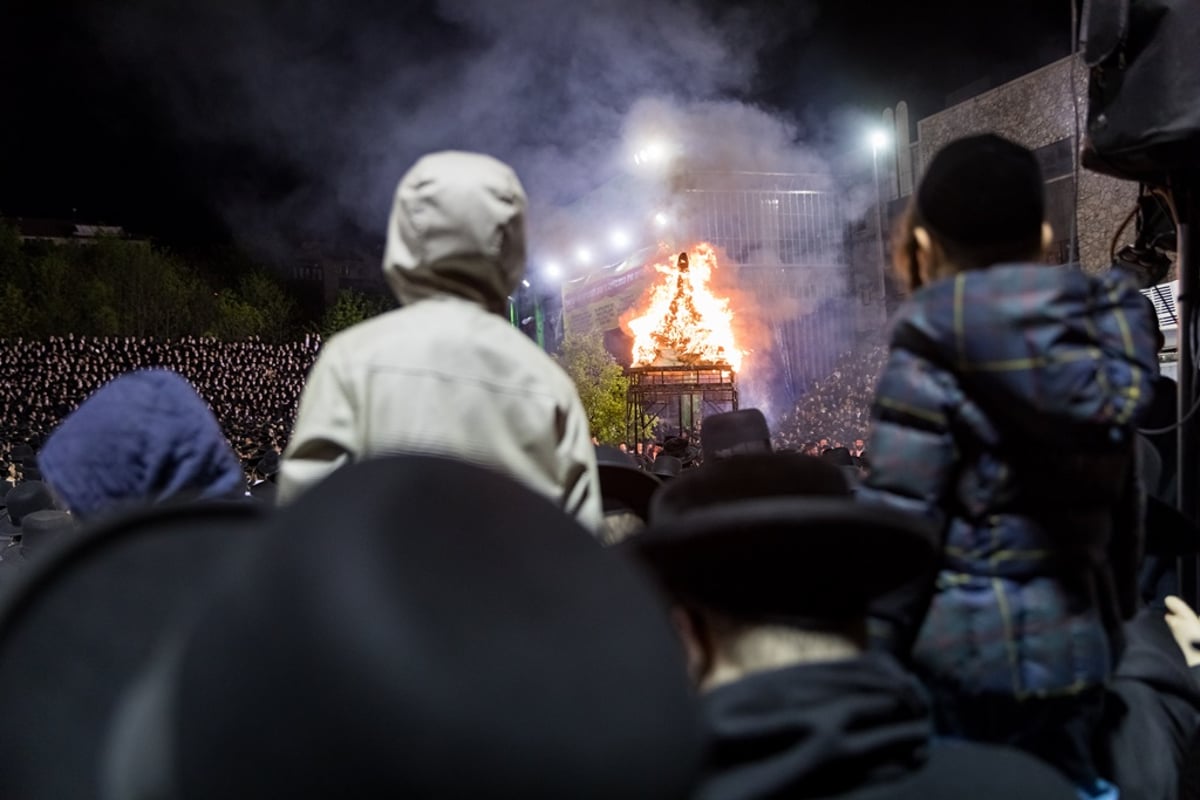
(1143, 120)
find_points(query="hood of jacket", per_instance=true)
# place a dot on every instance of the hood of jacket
(457, 228)
(814, 730)
(1076, 348)
(144, 437)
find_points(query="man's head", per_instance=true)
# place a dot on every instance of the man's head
(981, 202)
(769, 562)
(860, 444)
(457, 228)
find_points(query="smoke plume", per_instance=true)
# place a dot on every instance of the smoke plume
(344, 97)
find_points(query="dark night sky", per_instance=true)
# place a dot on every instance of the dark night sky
(197, 124)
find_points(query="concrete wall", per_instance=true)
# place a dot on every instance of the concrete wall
(1036, 110)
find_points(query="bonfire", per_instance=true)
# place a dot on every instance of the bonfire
(684, 323)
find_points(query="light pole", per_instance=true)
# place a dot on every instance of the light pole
(879, 140)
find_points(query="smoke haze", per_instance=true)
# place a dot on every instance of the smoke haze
(343, 101)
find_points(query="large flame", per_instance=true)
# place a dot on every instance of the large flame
(685, 323)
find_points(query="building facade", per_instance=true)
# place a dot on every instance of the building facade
(1046, 111)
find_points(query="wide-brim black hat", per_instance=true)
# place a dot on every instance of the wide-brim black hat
(666, 467)
(384, 630)
(778, 537)
(788, 559)
(623, 485)
(77, 623)
(733, 433)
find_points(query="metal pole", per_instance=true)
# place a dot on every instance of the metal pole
(878, 222)
(539, 320)
(1184, 194)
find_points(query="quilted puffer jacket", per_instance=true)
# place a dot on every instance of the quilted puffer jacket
(1005, 415)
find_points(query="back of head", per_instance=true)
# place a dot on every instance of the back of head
(145, 437)
(442, 648)
(457, 228)
(982, 201)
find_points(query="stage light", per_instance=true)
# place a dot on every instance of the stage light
(653, 151)
(878, 139)
(552, 271)
(619, 239)
(583, 255)
(525, 283)
(660, 219)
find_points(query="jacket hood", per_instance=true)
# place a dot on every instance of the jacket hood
(457, 228)
(814, 730)
(1076, 348)
(145, 437)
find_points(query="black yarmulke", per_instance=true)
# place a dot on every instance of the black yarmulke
(983, 190)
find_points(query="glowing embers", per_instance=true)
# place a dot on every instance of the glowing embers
(684, 323)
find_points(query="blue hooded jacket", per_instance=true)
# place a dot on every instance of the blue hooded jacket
(1005, 414)
(145, 437)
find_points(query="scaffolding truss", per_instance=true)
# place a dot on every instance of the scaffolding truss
(677, 399)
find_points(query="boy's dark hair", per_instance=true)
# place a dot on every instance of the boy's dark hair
(983, 200)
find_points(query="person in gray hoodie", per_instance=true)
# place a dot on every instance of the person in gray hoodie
(447, 374)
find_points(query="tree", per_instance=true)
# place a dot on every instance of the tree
(601, 384)
(350, 308)
(275, 309)
(14, 311)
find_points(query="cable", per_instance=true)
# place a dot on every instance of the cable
(1073, 245)
(1112, 247)
(1158, 431)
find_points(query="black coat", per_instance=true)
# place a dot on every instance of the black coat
(1152, 714)
(851, 729)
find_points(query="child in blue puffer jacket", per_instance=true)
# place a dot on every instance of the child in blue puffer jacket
(1005, 413)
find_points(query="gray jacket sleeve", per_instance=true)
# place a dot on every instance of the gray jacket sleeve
(324, 437)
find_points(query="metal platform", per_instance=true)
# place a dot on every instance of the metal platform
(679, 398)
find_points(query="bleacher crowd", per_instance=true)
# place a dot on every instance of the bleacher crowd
(458, 594)
(252, 386)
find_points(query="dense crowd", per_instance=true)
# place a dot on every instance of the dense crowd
(457, 593)
(252, 386)
(837, 407)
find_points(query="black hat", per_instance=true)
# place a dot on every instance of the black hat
(26, 498)
(735, 433)
(838, 456)
(268, 465)
(777, 537)
(441, 649)
(667, 467)
(41, 530)
(79, 621)
(623, 485)
(21, 452)
(983, 190)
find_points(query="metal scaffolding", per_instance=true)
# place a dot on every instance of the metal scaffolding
(677, 398)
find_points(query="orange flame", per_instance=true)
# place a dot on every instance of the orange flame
(685, 323)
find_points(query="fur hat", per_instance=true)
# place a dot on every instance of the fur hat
(439, 648)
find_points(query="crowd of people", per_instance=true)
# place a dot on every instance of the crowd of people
(252, 386)
(455, 592)
(837, 407)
